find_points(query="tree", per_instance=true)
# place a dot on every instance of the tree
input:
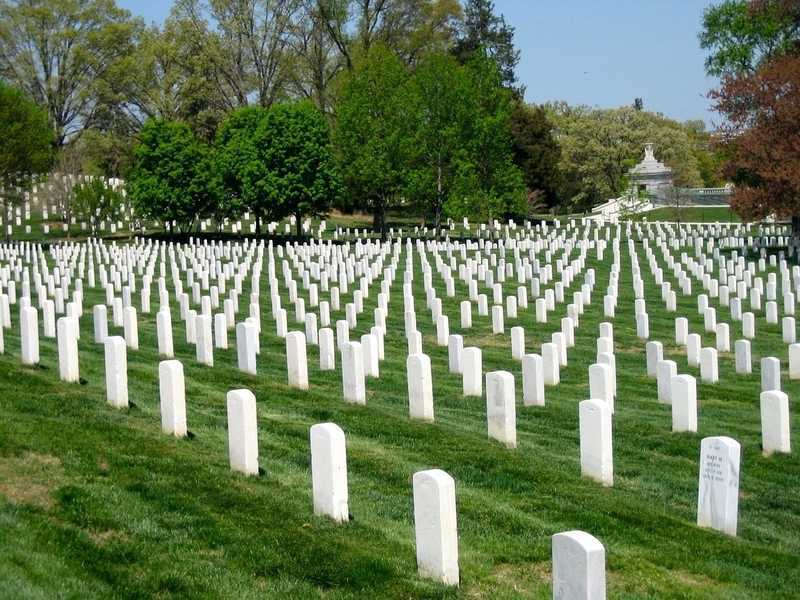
(536, 152)
(63, 53)
(371, 134)
(95, 201)
(171, 181)
(300, 174)
(410, 28)
(481, 28)
(26, 146)
(744, 34)
(600, 145)
(239, 165)
(247, 42)
(761, 140)
(440, 121)
(489, 184)
(758, 54)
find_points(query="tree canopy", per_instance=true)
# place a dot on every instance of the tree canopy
(26, 138)
(760, 100)
(300, 176)
(600, 145)
(172, 180)
(65, 55)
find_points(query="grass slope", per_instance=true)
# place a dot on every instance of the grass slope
(98, 503)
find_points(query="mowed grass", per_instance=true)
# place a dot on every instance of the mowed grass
(97, 502)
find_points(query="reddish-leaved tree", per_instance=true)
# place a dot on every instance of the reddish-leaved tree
(761, 138)
(758, 53)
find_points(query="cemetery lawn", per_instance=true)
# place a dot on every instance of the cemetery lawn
(97, 502)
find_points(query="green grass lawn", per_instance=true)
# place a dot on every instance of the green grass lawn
(97, 502)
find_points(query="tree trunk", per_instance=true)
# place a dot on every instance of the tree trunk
(258, 225)
(795, 226)
(299, 224)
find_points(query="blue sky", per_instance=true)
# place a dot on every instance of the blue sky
(602, 53)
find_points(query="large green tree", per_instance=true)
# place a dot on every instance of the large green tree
(240, 167)
(439, 95)
(372, 135)
(26, 145)
(65, 54)
(489, 185)
(172, 179)
(300, 176)
(742, 34)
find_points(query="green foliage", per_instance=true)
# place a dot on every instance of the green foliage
(599, 145)
(300, 175)
(371, 134)
(440, 126)
(486, 32)
(63, 54)
(26, 139)
(489, 184)
(741, 38)
(95, 201)
(239, 165)
(26, 146)
(536, 151)
(171, 181)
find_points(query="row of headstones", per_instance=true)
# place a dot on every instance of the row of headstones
(681, 392)
(578, 558)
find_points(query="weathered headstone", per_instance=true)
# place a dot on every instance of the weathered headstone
(551, 363)
(579, 567)
(501, 407)
(100, 316)
(665, 371)
(684, 403)
(246, 347)
(654, 352)
(718, 494)
(116, 362)
(455, 346)
(472, 371)
(744, 363)
(68, 349)
(435, 526)
(353, 384)
(595, 435)
(420, 387)
(532, 380)
(297, 360)
(770, 374)
(172, 395)
(164, 332)
(775, 422)
(329, 471)
(242, 431)
(709, 365)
